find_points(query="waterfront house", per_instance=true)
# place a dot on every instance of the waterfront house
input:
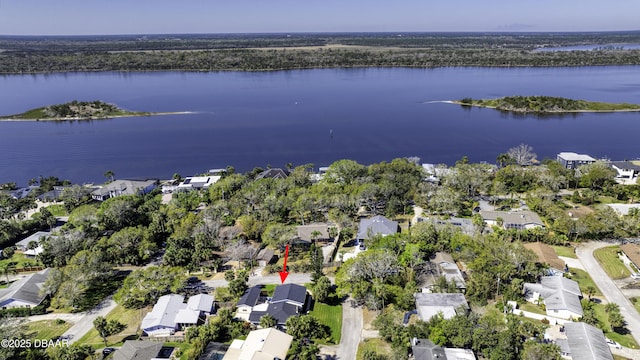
(274, 173)
(197, 182)
(124, 187)
(571, 160)
(627, 171)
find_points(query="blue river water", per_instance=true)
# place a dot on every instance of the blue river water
(249, 119)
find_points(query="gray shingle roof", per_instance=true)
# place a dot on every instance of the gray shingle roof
(250, 297)
(376, 225)
(587, 342)
(513, 217)
(27, 289)
(164, 312)
(282, 311)
(291, 293)
(562, 300)
(425, 349)
(24, 243)
(138, 350)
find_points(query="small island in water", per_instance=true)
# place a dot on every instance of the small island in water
(546, 104)
(79, 110)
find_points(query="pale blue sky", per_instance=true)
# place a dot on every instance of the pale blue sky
(90, 17)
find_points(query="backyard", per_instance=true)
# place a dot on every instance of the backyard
(130, 317)
(331, 316)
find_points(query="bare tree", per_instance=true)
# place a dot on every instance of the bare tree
(523, 155)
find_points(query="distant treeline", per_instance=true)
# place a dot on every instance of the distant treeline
(277, 52)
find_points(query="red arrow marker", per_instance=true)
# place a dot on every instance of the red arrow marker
(284, 273)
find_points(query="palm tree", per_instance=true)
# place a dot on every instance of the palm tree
(110, 175)
(8, 269)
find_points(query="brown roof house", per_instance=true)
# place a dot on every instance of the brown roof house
(631, 256)
(546, 255)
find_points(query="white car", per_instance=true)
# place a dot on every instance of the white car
(614, 344)
(635, 276)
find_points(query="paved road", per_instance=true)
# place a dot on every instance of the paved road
(85, 323)
(611, 292)
(299, 279)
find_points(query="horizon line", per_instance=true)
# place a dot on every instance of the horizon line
(331, 33)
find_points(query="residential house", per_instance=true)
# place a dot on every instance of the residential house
(142, 350)
(571, 160)
(627, 171)
(429, 305)
(288, 300)
(31, 245)
(520, 220)
(449, 269)
(561, 296)
(197, 182)
(262, 344)
(377, 225)
(171, 314)
(465, 225)
(310, 232)
(123, 187)
(425, 349)
(631, 255)
(274, 173)
(623, 209)
(54, 194)
(247, 301)
(265, 257)
(322, 171)
(27, 292)
(546, 255)
(22, 193)
(583, 342)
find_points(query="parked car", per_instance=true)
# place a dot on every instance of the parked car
(635, 276)
(614, 344)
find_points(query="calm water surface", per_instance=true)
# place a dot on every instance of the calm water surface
(259, 119)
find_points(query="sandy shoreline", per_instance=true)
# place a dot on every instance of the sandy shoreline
(103, 117)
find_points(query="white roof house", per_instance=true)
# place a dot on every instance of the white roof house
(263, 344)
(586, 342)
(23, 244)
(161, 320)
(198, 182)
(123, 187)
(170, 313)
(571, 160)
(561, 296)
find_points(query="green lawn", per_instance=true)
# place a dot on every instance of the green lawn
(584, 280)
(184, 347)
(625, 340)
(19, 261)
(269, 289)
(57, 210)
(377, 346)
(612, 265)
(131, 317)
(527, 306)
(331, 316)
(46, 329)
(636, 303)
(566, 251)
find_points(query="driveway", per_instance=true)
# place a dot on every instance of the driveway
(352, 324)
(607, 286)
(85, 323)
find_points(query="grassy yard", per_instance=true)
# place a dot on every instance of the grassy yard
(608, 259)
(46, 329)
(131, 317)
(636, 303)
(625, 340)
(269, 289)
(19, 261)
(527, 306)
(331, 316)
(377, 346)
(184, 349)
(57, 210)
(584, 280)
(566, 251)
